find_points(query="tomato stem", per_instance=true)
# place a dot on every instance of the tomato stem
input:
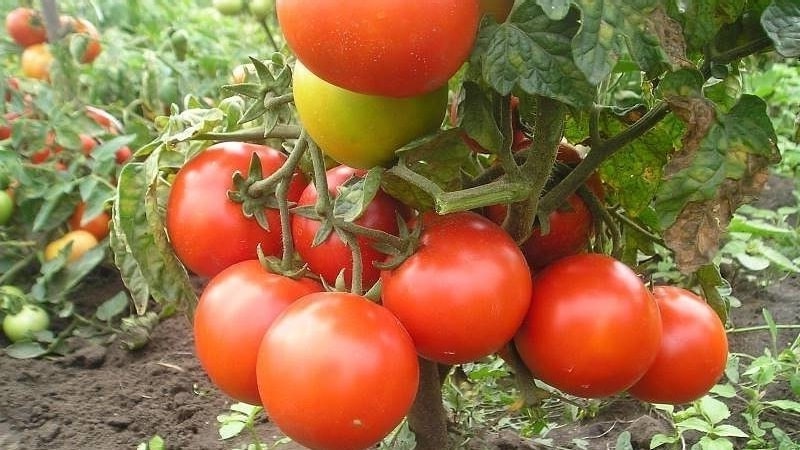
(254, 134)
(286, 171)
(762, 328)
(496, 192)
(356, 278)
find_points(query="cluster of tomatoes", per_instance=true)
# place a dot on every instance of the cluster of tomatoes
(26, 27)
(336, 370)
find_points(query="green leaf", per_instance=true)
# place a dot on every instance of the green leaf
(59, 277)
(624, 441)
(708, 443)
(715, 410)
(695, 423)
(781, 21)
(555, 9)
(599, 41)
(112, 307)
(129, 269)
(533, 53)
(702, 19)
(778, 258)
(25, 350)
(230, 429)
(356, 194)
(477, 120)
(724, 390)
(156, 443)
(786, 405)
(662, 439)
(725, 430)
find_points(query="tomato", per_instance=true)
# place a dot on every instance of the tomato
(331, 256)
(26, 27)
(234, 312)
(336, 371)
(81, 26)
(208, 231)
(359, 130)
(97, 225)
(496, 9)
(463, 293)
(6, 207)
(394, 48)
(104, 119)
(593, 328)
(123, 154)
(25, 323)
(229, 7)
(88, 143)
(36, 61)
(5, 129)
(260, 9)
(693, 352)
(82, 241)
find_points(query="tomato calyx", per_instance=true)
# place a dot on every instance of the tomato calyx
(253, 206)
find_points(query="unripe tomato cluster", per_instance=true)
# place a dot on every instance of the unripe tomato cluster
(26, 27)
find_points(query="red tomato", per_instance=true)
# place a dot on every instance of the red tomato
(333, 255)
(87, 143)
(97, 225)
(393, 48)
(234, 312)
(104, 119)
(693, 353)
(5, 129)
(208, 231)
(123, 154)
(464, 293)
(337, 372)
(83, 27)
(26, 27)
(593, 328)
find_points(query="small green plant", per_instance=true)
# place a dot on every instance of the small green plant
(241, 417)
(155, 443)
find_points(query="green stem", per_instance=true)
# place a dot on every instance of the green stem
(323, 205)
(255, 134)
(762, 328)
(428, 186)
(268, 32)
(17, 267)
(619, 215)
(497, 192)
(279, 100)
(286, 223)
(370, 233)
(727, 56)
(357, 273)
(286, 171)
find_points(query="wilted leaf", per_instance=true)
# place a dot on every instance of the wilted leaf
(781, 21)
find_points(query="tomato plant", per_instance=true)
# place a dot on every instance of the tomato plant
(391, 122)
(79, 242)
(463, 293)
(390, 48)
(23, 324)
(593, 328)
(337, 371)
(693, 351)
(234, 312)
(333, 255)
(25, 26)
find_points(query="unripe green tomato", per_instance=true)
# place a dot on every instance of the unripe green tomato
(229, 7)
(6, 207)
(260, 9)
(359, 130)
(22, 325)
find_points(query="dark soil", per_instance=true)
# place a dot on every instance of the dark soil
(105, 397)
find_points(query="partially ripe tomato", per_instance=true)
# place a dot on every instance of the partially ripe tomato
(593, 328)
(6, 207)
(97, 225)
(337, 372)
(104, 119)
(83, 29)
(82, 241)
(693, 352)
(36, 61)
(359, 130)
(234, 312)
(25, 323)
(395, 48)
(333, 255)
(26, 27)
(208, 231)
(463, 293)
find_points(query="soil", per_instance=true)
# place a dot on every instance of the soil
(105, 397)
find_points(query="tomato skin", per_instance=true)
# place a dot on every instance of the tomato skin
(337, 372)
(26, 27)
(97, 225)
(359, 130)
(208, 231)
(592, 330)
(82, 242)
(6, 207)
(465, 291)
(333, 255)
(394, 48)
(234, 312)
(36, 60)
(693, 353)
(22, 325)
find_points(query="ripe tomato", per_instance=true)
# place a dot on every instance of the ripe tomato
(336, 371)
(36, 61)
(6, 207)
(123, 154)
(88, 143)
(496, 9)
(97, 225)
(5, 128)
(395, 48)
(104, 119)
(25, 323)
(593, 328)
(693, 352)
(464, 293)
(333, 255)
(208, 231)
(26, 27)
(361, 130)
(82, 241)
(235, 310)
(81, 26)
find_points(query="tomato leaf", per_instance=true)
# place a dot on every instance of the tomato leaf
(356, 194)
(555, 9)
(25, 350)
(533, 53)
(477, 120)
(781, 21)
(112, 307)
(58, 277)
(701, 20)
